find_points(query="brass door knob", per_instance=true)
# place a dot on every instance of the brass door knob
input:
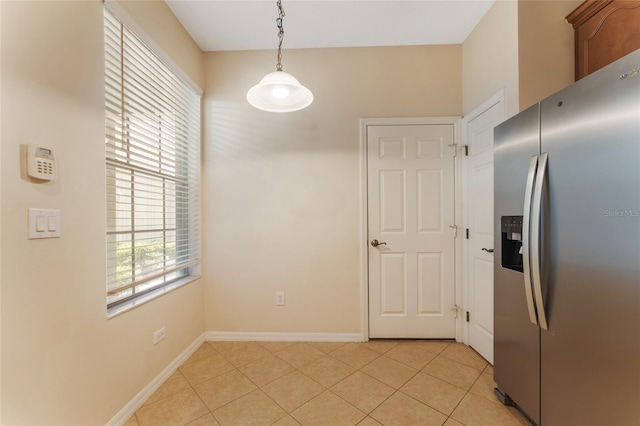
(375, 243)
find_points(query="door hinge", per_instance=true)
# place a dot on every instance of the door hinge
(455, 148)
(467, 316)
(455, 310)
(466, 233)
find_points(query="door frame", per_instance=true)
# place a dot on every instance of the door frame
(477, 111)
(364, 225)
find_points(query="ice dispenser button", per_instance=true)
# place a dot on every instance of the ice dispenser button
(511, 229)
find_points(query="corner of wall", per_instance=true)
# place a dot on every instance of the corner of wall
(546, 48)
(490, 58)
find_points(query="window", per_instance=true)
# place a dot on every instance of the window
(152, 170)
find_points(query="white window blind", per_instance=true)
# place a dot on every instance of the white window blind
(152, 168)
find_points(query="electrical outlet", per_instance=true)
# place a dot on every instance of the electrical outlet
(280, 298)
(158, 336)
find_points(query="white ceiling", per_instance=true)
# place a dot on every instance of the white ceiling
(250, 25)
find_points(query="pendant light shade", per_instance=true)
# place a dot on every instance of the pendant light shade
(279, 91)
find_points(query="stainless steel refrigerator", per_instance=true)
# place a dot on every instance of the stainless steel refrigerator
(567, 247)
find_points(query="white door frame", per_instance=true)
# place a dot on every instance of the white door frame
(479, 110)
(364, 231)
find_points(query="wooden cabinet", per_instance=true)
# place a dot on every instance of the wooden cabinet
(605, 30)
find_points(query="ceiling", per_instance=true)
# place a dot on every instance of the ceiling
(250, 25)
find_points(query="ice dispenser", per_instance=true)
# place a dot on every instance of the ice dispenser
(511, 228)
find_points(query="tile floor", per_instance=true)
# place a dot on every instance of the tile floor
(329, 384)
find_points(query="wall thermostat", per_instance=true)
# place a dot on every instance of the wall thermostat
(41, 163)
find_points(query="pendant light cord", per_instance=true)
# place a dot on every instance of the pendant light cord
(280, 34)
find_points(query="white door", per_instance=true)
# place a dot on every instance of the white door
(410, 211)
(479, 226)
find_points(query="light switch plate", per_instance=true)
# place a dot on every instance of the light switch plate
(44, 223)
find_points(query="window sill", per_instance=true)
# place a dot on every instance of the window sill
(139, 301)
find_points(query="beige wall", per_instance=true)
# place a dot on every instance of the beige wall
(281, 197)
(63, 362)
(524, 47)
(546, 48)
(490, 58)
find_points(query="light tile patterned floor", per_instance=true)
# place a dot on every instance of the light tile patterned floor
(381, 382)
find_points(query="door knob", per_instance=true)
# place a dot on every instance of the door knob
(487, 250)
(375, 243)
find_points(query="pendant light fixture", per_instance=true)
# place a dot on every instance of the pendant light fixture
(279, 91)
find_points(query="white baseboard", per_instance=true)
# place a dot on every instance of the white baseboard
(239, 336)
(148, 390)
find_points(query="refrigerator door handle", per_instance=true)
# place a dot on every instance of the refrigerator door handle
(541, 176)
(526, 227)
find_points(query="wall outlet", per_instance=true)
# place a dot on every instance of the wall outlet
(279, 298)
(158, 336)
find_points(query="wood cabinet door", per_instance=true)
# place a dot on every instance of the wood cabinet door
(605, 30)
